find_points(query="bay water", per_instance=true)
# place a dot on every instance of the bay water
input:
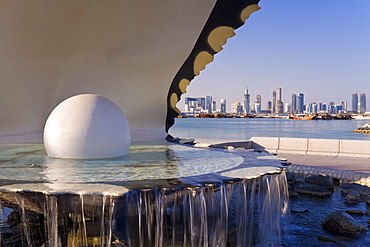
(245, 128)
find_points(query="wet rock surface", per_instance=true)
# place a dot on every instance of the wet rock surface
(342, 223)
(317, 190)
(320, 180)
(310, 210)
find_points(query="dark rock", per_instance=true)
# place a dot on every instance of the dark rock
(293, 193)
(355, 212)
(319, 191)
(365, 198)
(367, 213)
(348, 187)
(290, 177)
(300, 211)
(325, 239)
(285, 163)
(187, 141)
(170, 138)
(299, 179)
(353, 198)
(321, 180)
(342, 223)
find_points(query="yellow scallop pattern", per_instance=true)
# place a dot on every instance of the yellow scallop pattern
(218, 37)
(174, 99)
(200, 62)
(248, 11)
(183, 84)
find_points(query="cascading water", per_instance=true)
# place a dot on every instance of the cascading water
(232, 213)
(232, 206)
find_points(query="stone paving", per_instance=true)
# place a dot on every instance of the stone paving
(340, 163)
(347, 168)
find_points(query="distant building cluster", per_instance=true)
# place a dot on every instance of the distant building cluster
(276, 106)
(203, 105)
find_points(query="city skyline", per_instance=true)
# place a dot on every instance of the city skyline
(297, 104)
(323, 52)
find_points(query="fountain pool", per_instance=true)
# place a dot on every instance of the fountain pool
(160, 194)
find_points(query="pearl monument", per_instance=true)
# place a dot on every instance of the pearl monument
(87, 126)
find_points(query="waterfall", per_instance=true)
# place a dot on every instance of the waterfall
(232, 213)
(236, 212)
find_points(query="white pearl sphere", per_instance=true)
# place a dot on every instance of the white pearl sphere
(87, 126)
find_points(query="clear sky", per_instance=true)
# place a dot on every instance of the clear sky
(318, 47)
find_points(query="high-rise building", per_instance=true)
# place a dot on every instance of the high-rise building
(312, 107)
(201, 102)
(280, 94)
(237, 108)
(354, 102)
(246, 101)
(332, 107)
(362, 103)
(320, 106)
(324, 107)
(300, 102)
(223, 105)
(257, 107)
(269, 106)
(258, 99)
(214, 109)
(279, 101)
(344, 105)
(274, 110)
(208, 104)
(287, 107)
(294, 103)
(188, 103)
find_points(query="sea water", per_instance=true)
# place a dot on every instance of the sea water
(245, 128)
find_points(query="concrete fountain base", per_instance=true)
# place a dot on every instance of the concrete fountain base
(177, 208)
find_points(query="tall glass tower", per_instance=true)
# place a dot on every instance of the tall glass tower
(294, 103)
(274, 110)
(247, 99)
(354, 102)
(300, 102)
(362, 103)
(223, 105)
(209, 104)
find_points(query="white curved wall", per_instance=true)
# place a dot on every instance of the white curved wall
(126, 51)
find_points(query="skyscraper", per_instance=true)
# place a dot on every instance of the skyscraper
(362, 103)
(354, 102)
(209, 104)
(223, 105)
(258, 99)
(331, 107)
(294, 103)
(287, 107)
(237, 108)
(201, 102)
(344, 105)
(246, 101)
(279, 94)
(300, 102)
(274, 110)
(279, 101)
(257, 107)
(269, 106)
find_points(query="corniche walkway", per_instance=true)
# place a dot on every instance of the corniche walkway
(351, 169)
(334, 162)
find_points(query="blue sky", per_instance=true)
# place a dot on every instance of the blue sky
(319, 48)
